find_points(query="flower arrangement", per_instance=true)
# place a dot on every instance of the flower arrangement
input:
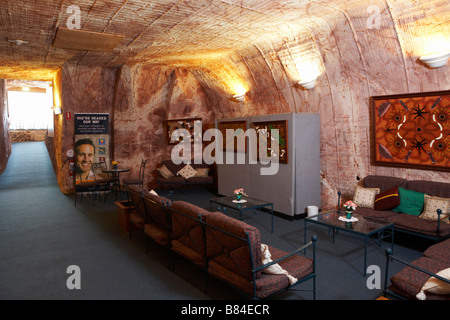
(349, 207)
(239, 193)
(115, 164)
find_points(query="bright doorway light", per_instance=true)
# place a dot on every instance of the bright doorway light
(31, 109)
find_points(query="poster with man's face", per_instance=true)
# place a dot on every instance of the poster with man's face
(91, 144)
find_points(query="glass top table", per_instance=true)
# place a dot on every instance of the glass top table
(246, 203)
(363, 226)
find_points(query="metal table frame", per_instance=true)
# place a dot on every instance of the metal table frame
(252, 204)
(115, 173)
(346, 226)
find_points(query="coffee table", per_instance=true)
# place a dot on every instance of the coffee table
(364, 226)
(248, 203)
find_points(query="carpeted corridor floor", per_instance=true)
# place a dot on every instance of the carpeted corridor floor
(42, 233)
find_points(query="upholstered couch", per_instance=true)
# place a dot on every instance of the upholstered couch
(225, 248)
(170, 174)
(237, 257)
(410, 204)
(412, 281)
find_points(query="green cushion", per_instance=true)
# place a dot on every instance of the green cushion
(411, 202)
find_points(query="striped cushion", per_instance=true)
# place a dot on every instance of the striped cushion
(387, 200)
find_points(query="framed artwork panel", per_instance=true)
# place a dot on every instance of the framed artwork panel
(192, 125)
(411, 130)
(282, 137)
(231, 139)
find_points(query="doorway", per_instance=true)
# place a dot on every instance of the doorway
(30, 110)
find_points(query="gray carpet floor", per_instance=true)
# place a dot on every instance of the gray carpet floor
(42, 233)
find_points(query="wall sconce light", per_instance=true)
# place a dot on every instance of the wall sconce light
(436, 60)
(239, 97)
(57, 109)
(17, 42)
(308, 84)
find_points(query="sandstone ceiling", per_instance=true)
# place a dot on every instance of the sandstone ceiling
(191, 33)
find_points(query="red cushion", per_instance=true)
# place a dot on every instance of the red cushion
(387, 200)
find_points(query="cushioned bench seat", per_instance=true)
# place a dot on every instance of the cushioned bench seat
(408, 282)
(168, 174)
(387, 204)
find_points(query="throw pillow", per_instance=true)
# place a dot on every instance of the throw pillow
(187, 172)
(436, 286)
(387, 200)
(411, 202)
(365, 197)
(202, 172)
(275, 268)
(166, 173)
(434, 203)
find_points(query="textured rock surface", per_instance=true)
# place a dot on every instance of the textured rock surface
(5, 142)
(359, 49)
(27, 135)
(145, 97)
(83, 90)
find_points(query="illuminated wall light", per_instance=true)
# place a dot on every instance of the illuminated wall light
(433, 48)
(26, 89)
(436, 60)
(308, 84)
(239, 97)
(309, 71)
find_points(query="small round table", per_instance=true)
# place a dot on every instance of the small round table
(115, 173)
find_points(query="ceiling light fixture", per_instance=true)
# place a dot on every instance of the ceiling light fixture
(18, 41)
(436, 60)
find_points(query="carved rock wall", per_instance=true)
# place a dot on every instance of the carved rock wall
(354, 63)
(5, 141)
(83, 90)
(145, 97)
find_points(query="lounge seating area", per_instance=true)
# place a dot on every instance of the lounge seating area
(172, 175)
(194, 153)
(224, 247)
(177, 244)
(412, 205)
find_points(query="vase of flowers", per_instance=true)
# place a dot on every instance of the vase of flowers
(115, 164)
(349, 206)
(239, 193)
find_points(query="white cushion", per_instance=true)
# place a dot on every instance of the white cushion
(434, 203)
(365, 197)
(275, 268)
(436, 286)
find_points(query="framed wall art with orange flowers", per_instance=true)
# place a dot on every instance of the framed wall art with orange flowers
(412, 130)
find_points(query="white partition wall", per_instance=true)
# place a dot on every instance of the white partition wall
(296, 183)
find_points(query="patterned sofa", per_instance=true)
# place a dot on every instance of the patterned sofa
(225, 248)
(387, 203)
(171, 174)
(409, 282)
